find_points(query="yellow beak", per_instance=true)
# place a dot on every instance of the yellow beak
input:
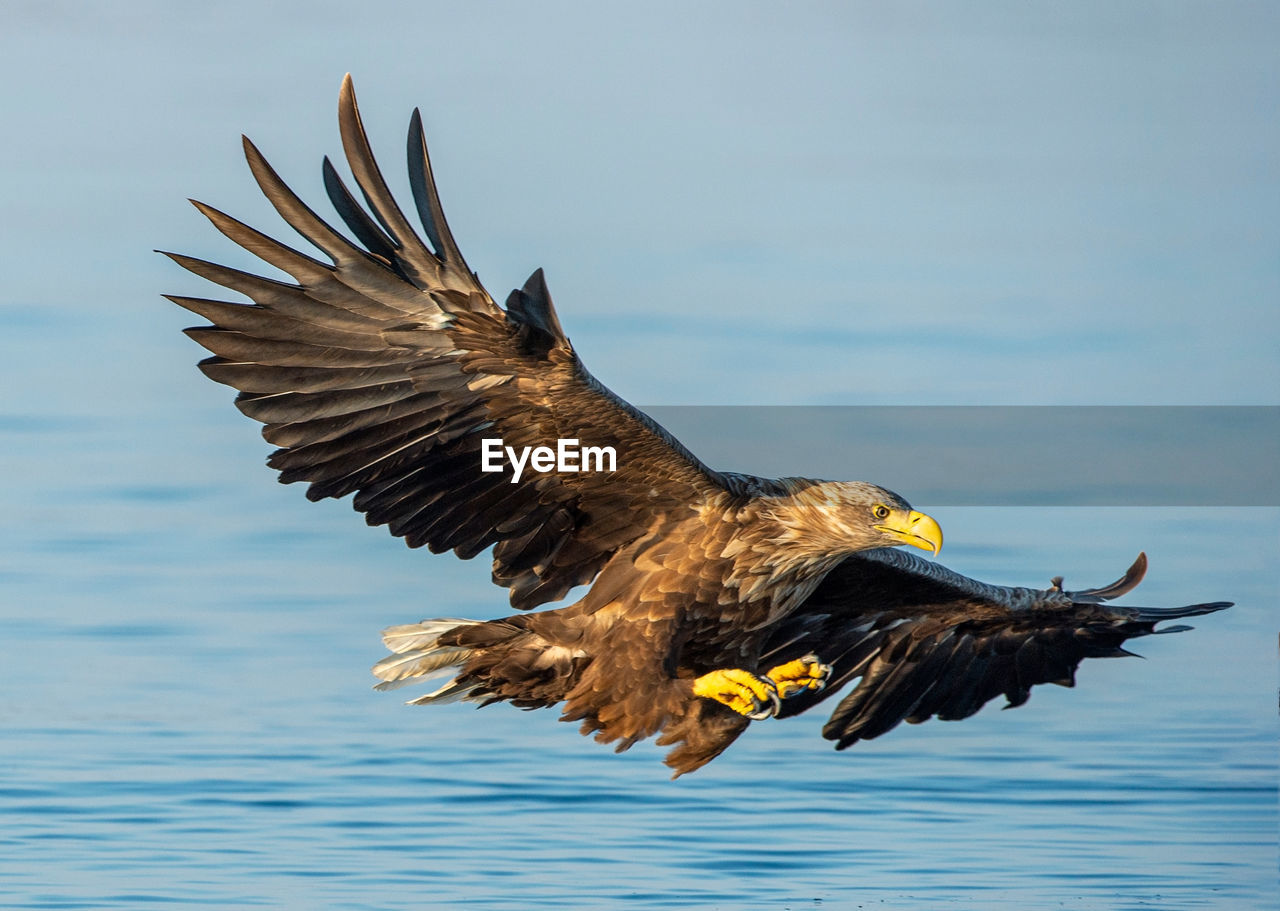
(914, 528)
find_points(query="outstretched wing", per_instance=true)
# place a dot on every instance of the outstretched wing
(380, 372)
(923, 641)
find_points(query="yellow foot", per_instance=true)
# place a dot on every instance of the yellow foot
(744, 692)
(801, 675)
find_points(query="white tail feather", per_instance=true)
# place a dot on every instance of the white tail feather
(417, 653)
(398, 670)
(450, 692)
(422, 635)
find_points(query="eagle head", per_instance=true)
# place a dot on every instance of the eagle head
(835, 518)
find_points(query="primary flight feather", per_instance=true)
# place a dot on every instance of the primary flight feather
(716, 598)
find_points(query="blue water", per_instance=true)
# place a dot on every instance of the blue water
(841, 206)
(190, 721)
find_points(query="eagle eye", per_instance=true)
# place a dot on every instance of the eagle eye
(880, 511)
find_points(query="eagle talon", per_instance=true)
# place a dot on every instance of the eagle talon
(807, 674)
(746, 693)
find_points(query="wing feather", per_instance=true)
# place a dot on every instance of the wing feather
(422, 183)
(300, 216)
(380, 373)
(920, 641)
(419, 265)
(356, 219)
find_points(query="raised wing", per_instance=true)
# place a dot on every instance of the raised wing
(380, 372)
(922, 641)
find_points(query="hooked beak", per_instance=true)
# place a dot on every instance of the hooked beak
(914, 528)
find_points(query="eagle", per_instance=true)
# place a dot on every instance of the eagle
(386, 371)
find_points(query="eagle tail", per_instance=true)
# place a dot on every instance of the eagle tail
(507, 660)
(418, 655)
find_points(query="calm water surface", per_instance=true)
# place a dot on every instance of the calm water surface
(194, 726)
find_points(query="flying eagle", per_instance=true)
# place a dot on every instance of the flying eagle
(716, 598)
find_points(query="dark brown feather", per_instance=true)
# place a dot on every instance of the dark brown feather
(381, 373)
(921, 641)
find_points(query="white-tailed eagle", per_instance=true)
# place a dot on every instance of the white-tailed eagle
(716, 598)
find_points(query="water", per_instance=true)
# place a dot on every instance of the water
(186, 710)
(190, 723)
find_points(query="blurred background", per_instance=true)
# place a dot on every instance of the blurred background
(736, 204)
